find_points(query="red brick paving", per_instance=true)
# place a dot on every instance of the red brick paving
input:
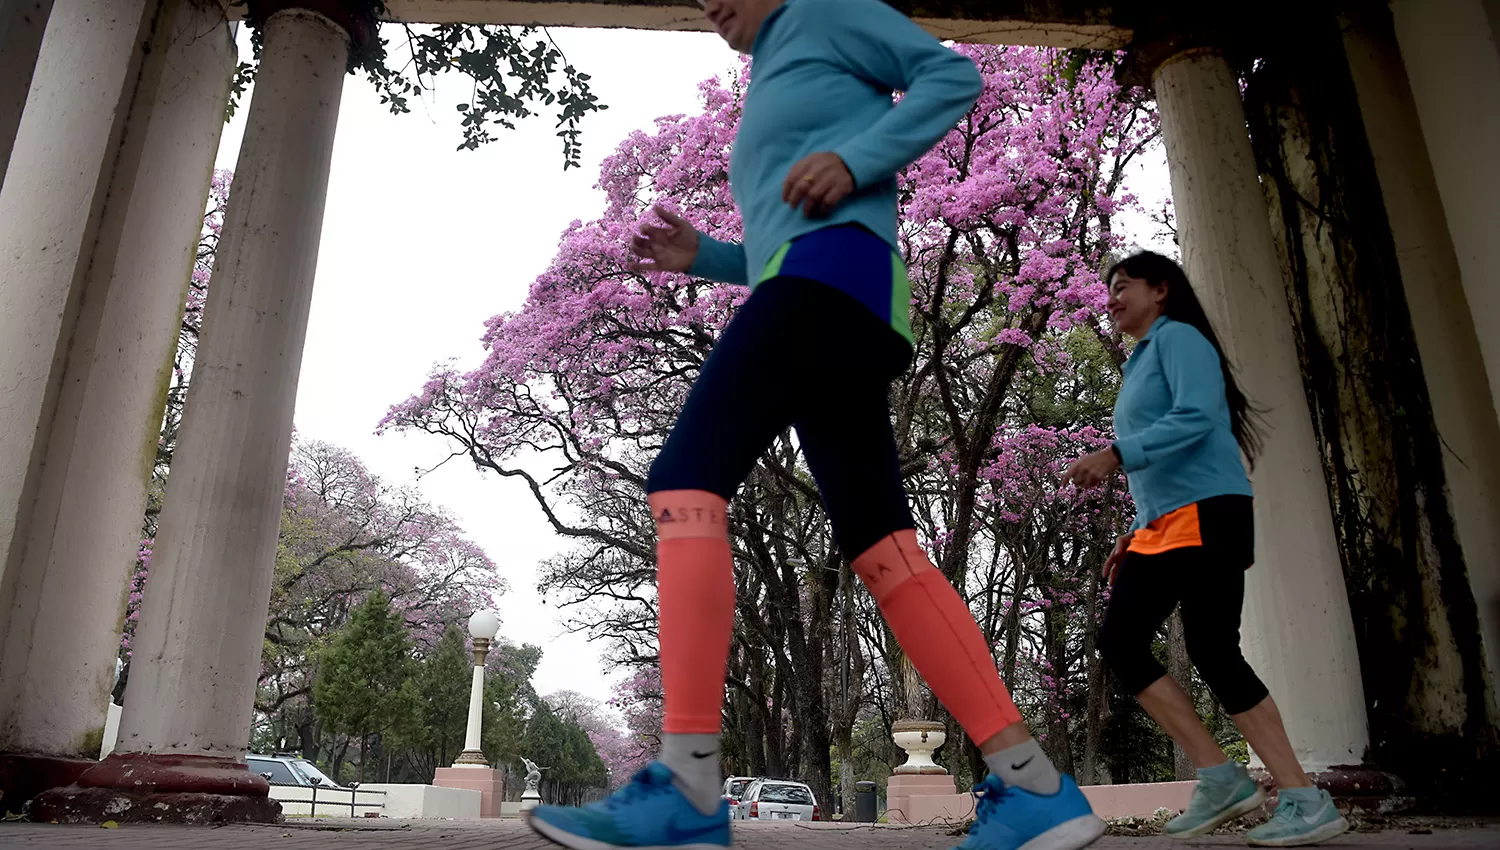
(513, 835)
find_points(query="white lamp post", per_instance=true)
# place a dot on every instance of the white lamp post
(482, 628)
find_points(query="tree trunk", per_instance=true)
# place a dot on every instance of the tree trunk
(848, 665)
(775, 728)
(1181, 669)
(1093, 770)
(1055, 644)
(977, 434)
(364, 755)
(338, 760)
(975, 756)
(756, 730)
(307, 733)
(808, 651)
(1013, 623)
(735, 736)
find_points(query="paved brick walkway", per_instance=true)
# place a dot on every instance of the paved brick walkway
(513, 835)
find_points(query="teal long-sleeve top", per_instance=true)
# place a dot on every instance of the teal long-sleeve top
(823, 76)
(1172, 423)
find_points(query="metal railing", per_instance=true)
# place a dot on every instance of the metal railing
(312, 802)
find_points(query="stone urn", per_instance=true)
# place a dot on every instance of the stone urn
(919, 738)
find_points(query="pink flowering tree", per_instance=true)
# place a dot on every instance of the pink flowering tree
(344, 535)
(1040, 590)
(618, 745)
(187, 339)
(637, 699)
(1006, 226)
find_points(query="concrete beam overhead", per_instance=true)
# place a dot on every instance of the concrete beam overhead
(1078, 23)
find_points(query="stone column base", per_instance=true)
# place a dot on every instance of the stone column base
(490, 783)
(24, 776)
(1353, 786)
(153, 788)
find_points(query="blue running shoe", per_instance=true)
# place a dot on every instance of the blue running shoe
(1016, 819)
(1217, 800)
(1303, 816)
(649, 813)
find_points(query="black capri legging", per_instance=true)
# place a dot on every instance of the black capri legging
(798, 353)
(1209, 582)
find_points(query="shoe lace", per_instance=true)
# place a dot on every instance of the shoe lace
(1208, 795)
(645, 783)
(989, 796)
(1291, 806)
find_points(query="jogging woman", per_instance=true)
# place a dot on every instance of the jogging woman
(1181, 426)
(815, 346)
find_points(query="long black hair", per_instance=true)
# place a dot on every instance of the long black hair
(1182, 305)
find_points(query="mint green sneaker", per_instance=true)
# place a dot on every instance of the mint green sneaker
(1217, 802)
(1299, 821)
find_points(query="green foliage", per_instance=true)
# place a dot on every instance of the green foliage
(244, 77)
(1136, 748)
(364, 683)
(873, 755)
(563, 747)
(512, 71)
(1238, 750)
(504, 718)
(511, 667)
(442, 681)
(1085, 392)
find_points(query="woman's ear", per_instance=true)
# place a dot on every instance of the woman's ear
(1159, 293)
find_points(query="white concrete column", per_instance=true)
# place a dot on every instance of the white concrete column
(62, 628)
(1446, 337)
(473, 755)
(22, 23)
(1298, 632)
(476, 711)
(1453, 64)
(198, 643)
(49, 213)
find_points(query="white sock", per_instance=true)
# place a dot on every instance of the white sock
(694, 760)
(1026, 766)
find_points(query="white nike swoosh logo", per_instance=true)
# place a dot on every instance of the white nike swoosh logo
(1313, 818)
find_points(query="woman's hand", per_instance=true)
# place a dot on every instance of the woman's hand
(1112, 563)
(1091, 469)
(817, 184)
(668, 249)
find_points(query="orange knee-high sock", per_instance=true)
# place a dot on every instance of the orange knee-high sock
(695, 599)
(938, 633)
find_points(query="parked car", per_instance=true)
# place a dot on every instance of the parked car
(734, 790)
(778, 800)
(284, 769)
(305, 791)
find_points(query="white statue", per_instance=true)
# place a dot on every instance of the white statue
(533, 775)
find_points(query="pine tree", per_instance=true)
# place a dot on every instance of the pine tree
(563, 747)
(442, 682)
(364, 684)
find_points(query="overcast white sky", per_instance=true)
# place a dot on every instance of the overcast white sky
(422, 243)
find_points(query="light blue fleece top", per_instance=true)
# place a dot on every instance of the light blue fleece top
(1172, 423)
(824, 72)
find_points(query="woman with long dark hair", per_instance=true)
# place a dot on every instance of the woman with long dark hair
(1184, 432)
(815, 346)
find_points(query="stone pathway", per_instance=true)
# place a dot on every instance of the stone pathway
(513, 835)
